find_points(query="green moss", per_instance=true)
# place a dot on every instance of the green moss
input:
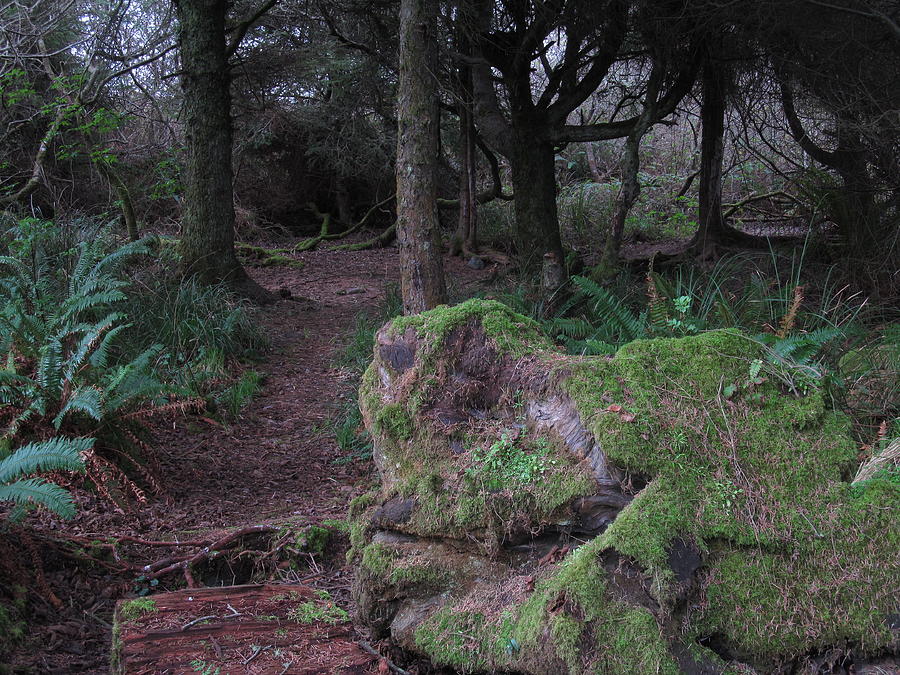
(796, 559)
(362, 502)
(455, 639)
(629, 641)
(313, 539)
(834, 585)
(268, 257)
(378, 560)
(323, 611)
(513, 333)
(460, 504)
(753, 477)
(393, 419)
(115, 655)
(12, 628)
(565, 631)
(134, 609)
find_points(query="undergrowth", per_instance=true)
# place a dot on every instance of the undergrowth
(816, 332)
(90, 355)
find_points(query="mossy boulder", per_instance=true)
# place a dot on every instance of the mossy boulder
(673, 508)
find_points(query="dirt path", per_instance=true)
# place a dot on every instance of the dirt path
(279, 458)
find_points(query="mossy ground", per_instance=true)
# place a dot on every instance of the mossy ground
(795, 561)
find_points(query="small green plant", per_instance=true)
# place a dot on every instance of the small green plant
(238, 395)
(324, 610)
(595, 321)
(504, 463)
(204, 668)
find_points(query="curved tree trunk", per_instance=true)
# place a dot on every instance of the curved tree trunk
(421, 270)
(631, 184)
(207, 231)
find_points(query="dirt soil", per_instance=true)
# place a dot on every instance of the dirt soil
(276, 463)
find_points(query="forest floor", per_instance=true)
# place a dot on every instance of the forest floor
(279, 462)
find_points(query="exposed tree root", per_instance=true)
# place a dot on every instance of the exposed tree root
(325, 235)
(381, 240)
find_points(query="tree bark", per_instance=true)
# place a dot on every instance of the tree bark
(534, 186)
(418, 235)
(207, 229)
(712, 229)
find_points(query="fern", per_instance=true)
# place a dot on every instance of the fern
(57, 454)
(61, 331)
(610, 310)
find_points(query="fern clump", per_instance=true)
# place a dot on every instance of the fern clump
(61, 327)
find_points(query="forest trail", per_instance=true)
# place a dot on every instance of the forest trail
(279, 458)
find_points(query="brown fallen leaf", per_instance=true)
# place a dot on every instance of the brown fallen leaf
(615, 407)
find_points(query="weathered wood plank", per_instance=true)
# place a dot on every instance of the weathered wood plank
(263, 628)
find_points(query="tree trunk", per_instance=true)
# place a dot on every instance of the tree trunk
(418, 235)
(631, 189)
(534, 187)
(631, 184)
(207, 230)
(465, 241)
(712, 229)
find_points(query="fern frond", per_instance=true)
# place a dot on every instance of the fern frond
(609, 309)
(49, 368)
(39, 492)
(99, 359)
(590, 347)
(57, 454)
(88, 400)
(88, 342)
(574, 327)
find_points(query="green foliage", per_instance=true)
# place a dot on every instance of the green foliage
(347, 426)
(204, 330)
(192, 320)
(57, 454)
(233, 399)
(59, 329)
(205, 668)
(595, 321)
(134, 609)
(322, 610)
(505, 464)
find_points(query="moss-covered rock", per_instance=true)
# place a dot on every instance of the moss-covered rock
(674, 508)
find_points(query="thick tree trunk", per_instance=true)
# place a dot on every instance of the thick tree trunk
(534, 187)
(712, 229)
(207, 231)
(421, 271)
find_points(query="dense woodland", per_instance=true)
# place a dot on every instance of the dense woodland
(209, 208)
